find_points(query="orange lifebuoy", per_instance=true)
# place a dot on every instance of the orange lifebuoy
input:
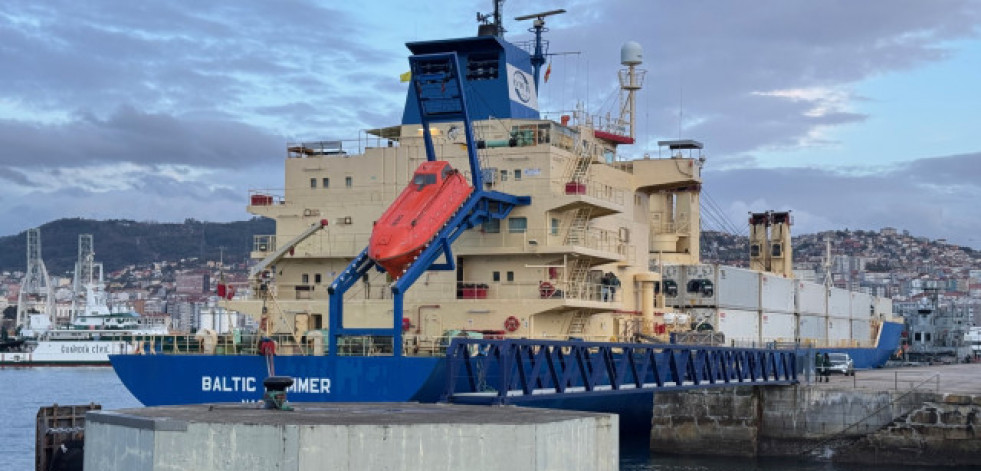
(512, 323)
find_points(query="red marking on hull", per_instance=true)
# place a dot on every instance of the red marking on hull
(433, 196)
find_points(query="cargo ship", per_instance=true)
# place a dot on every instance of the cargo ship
(563, 233)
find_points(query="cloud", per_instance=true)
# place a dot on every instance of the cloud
(935, 197)
(175, 109)
(131, 135)
(731, 67)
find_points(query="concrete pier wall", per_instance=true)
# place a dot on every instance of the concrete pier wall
(883, 427)
(722, 421)
(946, 432)
(356, 437)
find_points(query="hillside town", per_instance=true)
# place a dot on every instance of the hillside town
(919, 274)
(931, 282)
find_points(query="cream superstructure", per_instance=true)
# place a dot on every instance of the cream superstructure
(592, 212)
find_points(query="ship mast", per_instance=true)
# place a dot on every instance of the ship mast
(538, 27)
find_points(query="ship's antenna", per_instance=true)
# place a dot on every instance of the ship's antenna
(538, 27)
(496, 19)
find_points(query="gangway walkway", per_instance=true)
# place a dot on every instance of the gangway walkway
(526, 372)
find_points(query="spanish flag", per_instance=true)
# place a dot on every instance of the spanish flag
(405, 77)
(548, 72)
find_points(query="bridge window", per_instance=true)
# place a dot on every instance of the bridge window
(348, 182)
(482, 67)
(510, 276)
(517, 174)
(776, 251)
(504, 175)
(313, 183)
(496, 276)
(517, 225)
(326, 182)
(555, 226)
(491, 226)
(305, 278)
(316, 278)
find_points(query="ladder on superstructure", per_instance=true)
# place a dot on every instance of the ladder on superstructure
(441, 98)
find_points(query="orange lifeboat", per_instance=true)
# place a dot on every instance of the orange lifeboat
(433, 196)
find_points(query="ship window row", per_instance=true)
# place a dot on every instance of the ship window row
(325, 182)
(482, 66)
(496, 276)
(505, 175)
(516, 225)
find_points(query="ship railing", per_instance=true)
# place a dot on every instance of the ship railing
(538, 240)
(838, 343)
(266, 197)
(264, 243)
(367, 139)
(476, 291)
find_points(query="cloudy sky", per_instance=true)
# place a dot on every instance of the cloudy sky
(854, 115)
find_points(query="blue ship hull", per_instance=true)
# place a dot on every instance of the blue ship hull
(166, 379)
(887, 344)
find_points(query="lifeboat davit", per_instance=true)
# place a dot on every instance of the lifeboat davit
(433, 196)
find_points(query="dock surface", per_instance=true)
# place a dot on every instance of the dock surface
(962, 378)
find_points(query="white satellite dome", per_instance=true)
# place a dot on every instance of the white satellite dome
(631, 53)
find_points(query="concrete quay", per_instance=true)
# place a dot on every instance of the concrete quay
(914, 416)
(962, 378)
(390, 436)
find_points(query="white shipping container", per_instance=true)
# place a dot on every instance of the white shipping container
(776, 293)
(778, 326)
(812, 298)
(722, 286)
(699, 287)
(813, 327)
(839, 329)
(861, 305)
(673, 284)
(738, 288)
(862, 331)
(839, 303)
(883, 307)
(739, 325)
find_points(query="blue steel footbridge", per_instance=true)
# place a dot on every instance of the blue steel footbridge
(538, 372)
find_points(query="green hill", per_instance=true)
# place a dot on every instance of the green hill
(118, 243)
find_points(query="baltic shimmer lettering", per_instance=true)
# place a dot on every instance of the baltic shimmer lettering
(248, 384)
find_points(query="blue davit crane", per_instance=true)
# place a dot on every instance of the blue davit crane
(440, 97)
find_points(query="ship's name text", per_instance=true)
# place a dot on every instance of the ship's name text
(248, 384)
(85, 349)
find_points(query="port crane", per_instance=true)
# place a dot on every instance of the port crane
(441, 97)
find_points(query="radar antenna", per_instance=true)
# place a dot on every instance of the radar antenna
(495, 19)
(538, 27)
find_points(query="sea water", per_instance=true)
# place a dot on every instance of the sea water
(25, 390)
